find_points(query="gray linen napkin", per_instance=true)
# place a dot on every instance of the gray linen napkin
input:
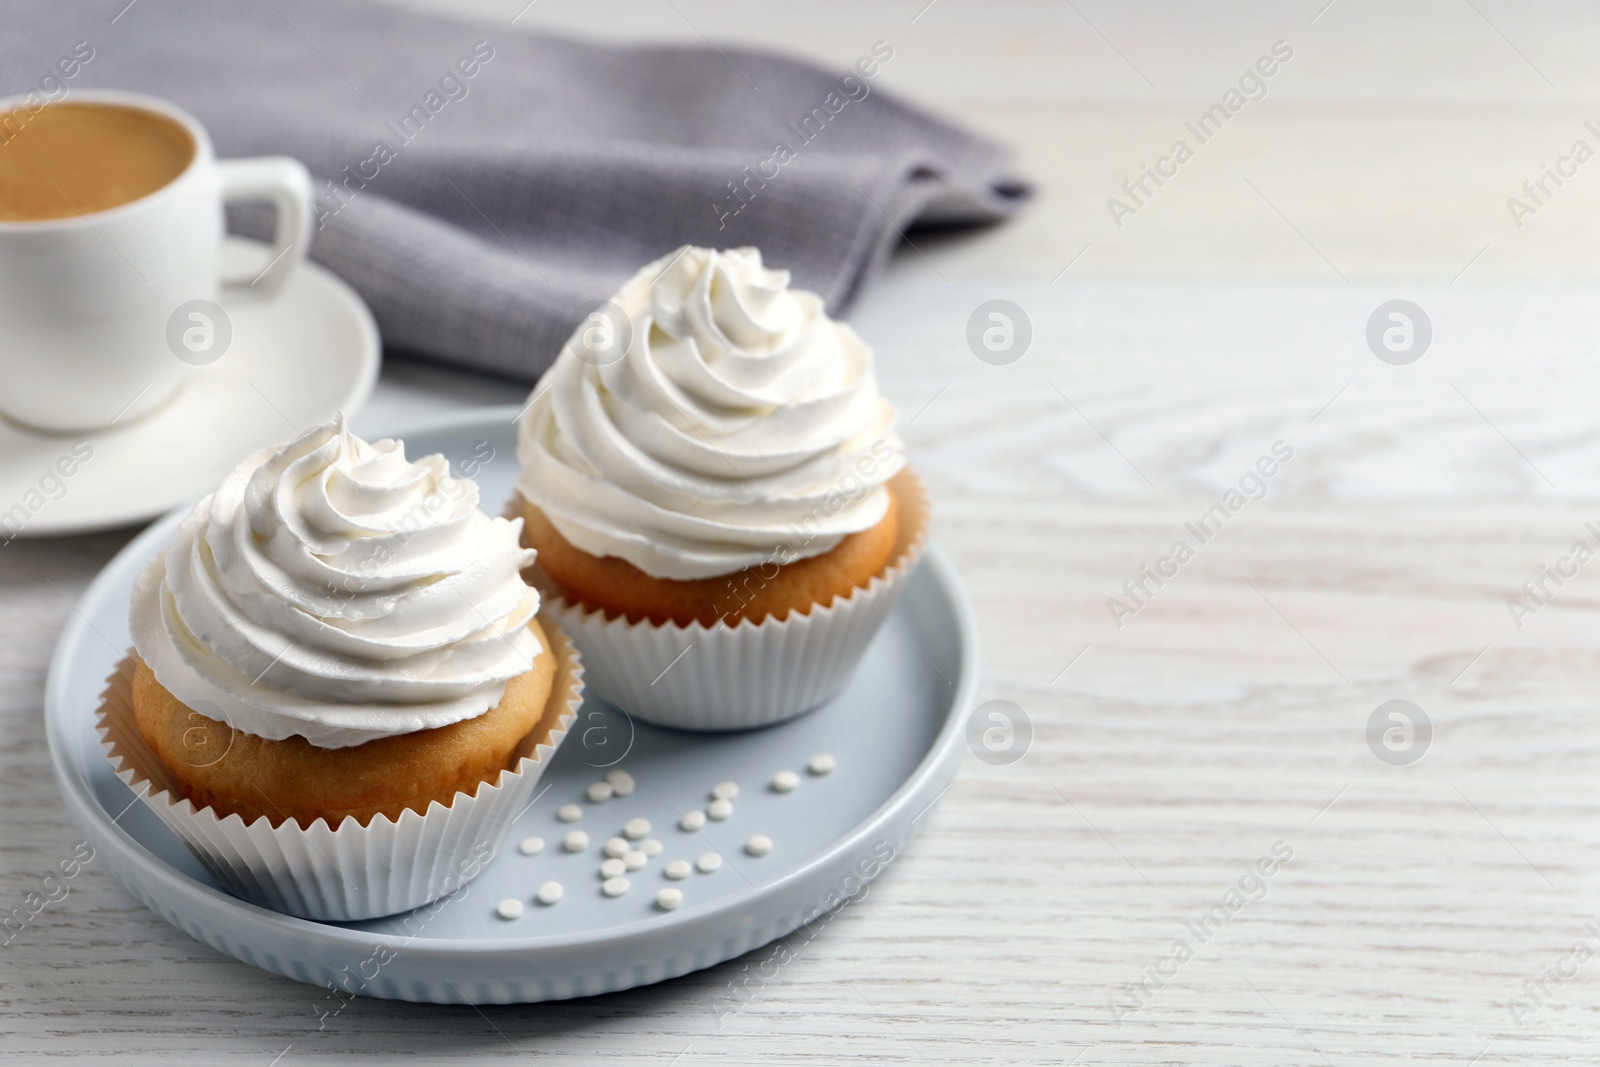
(477, 184)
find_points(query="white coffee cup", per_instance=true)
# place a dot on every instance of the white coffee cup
(104, 316)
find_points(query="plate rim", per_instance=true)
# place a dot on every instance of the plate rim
(95, 822)
(371, 356)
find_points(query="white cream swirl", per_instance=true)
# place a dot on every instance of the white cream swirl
(740, 426)
(333, 590)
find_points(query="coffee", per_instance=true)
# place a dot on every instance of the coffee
(67, 160)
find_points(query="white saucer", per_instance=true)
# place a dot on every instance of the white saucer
(293, 362)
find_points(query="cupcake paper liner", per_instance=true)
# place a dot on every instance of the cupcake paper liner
(348, 872)
(739, 677)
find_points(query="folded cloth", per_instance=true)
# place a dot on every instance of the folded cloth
(478, 184)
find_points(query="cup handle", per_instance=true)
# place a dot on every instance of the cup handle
(286, 183)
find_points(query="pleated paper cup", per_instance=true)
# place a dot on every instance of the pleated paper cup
(739, 677)
(351, 871)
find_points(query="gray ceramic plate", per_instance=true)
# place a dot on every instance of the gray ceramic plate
(896, 732)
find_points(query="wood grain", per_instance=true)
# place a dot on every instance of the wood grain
(1229, 713)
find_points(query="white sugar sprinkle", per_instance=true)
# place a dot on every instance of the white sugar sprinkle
(636, 828)
(576, 841)
(612, 868)
(821, 764)
(615, 846)
(614, 887)
(600, 791)
(726, 790)
(692, 820)
(635, 859)
(569, 813)
(669, 898)
(759, 845)
(709, 862)
(650, 846)
(509, 908)
(720, 808)
(678, 870)
(530, 846)
(549, 893)
(621, 782)
(785, 781)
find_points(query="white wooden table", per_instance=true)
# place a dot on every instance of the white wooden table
(1429, 911)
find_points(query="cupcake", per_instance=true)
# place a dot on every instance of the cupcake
(339, 694)
(709, 465)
